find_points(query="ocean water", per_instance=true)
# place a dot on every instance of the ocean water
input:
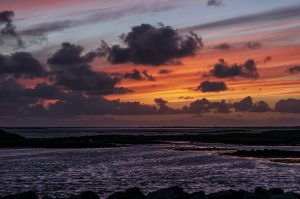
(61, 172)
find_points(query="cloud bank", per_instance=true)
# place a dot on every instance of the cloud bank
(224, 70)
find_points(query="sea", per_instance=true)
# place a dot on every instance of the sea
(62, 172)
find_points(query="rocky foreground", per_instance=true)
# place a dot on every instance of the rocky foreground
(176, 193)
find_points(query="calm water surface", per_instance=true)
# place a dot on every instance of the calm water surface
(63, 172)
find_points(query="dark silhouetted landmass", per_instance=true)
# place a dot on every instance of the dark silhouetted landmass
(270, 138)
(176, 193)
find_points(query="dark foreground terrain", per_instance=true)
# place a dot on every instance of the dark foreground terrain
(270, 138)
(176, 193)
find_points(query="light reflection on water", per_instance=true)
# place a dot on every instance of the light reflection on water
(63, 172)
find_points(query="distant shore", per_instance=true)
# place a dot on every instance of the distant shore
(269, 138)
(266, 138)
(175, 193)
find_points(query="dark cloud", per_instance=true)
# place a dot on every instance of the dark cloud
(208, 86)
(253, 45)
(135, 74)
(223, 46)
(288, 13)
(148, 76)
(76, 105)
(71, 70)
(9, 29)
(165, 71)
(214, 2)
(244, 105)
(149, 45)
(186, 97)
(45, 91)
(205, 106)
(82, 78)
(21, 64)
(72, 54)
(247, 105)
(224, 70)
(261, 106)
(133, 108)
(13, 92)
(294, 69)
(221, 107)
(163, 108)
(16, 101)
(198, 106)
(288, 106)
(6, 16)
(267, 59)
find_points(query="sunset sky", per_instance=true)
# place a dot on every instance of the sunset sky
(172, 54)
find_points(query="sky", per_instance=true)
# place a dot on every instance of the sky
(150, 63)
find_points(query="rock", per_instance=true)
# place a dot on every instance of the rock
(47, 197)
(290, 195)
(197, 195)
(255, 196)
(174, 193)
(230, 194)
(24, 195)
(133, 193)
(168, 193)
(85, 195)
(88, 195)
(262, 193)
(276, 191)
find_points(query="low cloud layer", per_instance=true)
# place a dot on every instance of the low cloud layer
(21, 64)
(224, 70)
(208, 86)
(150, 45)
(16, 101)
(247, 105)
(294, 69)
(288, 106)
